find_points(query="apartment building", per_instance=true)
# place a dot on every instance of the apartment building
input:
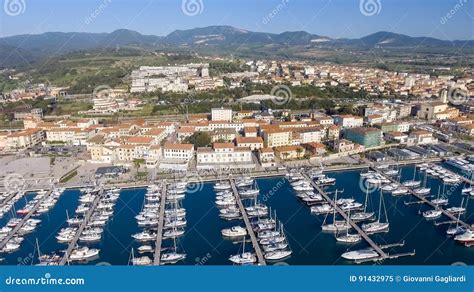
(254, 143)
(183, 152)
(221, 114)
(367, 137)
(224, 155)
(24, 139)
(275, 137)
(348, 121)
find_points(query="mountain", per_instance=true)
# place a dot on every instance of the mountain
(28, 48)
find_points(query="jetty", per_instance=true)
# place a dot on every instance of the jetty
(24, 219)
(83, 225)
(159, 233)
(248, 225)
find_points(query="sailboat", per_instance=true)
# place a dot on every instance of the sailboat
(457, 230)
(349, 238)
(377, 226)
(440, 200)
(423, 191)
(412, 183)
(244, 258)
(363, 216)
(140, 261)
(335, 226)
(279, 254)
(173, 256)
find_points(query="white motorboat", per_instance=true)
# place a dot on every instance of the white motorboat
(234, 231)
(466, 238)
(141, 261)
(145, 249)
(361, 254)
(144, 236)
(83, 253)
(277, 255)
(400, 191)
(172, 257)
(172, 233)
(422, 191)
(244, 258)
(349, 238)
(432, 214)
(322, 209)
(375, 227)
(249, 192)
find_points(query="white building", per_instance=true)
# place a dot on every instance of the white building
(224, 155)
(221, 114)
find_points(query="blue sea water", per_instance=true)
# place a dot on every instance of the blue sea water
(204, 244)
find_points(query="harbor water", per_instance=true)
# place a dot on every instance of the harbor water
(204, 244)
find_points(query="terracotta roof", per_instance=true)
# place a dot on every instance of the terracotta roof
(249, 140)
(222, 145)
(178, 146)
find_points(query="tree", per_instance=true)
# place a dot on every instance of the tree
(298, 152)
(199, 139)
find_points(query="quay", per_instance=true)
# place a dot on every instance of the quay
(380, 251)
(424, 200)
(248, 225)
(159, 233)
(83, 225)
(24, 219)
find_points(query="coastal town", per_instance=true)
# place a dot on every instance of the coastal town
(254, 139)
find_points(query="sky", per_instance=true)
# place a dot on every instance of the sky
(443, 19)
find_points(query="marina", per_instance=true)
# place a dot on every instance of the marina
(203, 243)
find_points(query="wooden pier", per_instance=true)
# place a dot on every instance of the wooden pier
(83, 225)
(424, 200)
(24, 219)
(159, 233)
(382, 254)
(248, 225)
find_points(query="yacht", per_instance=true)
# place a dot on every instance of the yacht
(235, 231)
(144, 236)
(361, 254)
(400, 191)
(141, 261)
(10, 247)
(172, 233)
(422, 191)
(456, 210)
(440, 201)
(277, 255)
(249, 192)
(244, 258)
(432, 214)
(375, 227)
(273, 240)
(412, 183)
(457, 230)
(362, 216)
(172, 257)
(83, 253)
(322, 209)
(222, 186)
(349, 238)
(145, 248)
(336, 226)
(466, 238)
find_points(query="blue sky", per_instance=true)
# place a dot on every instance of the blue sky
(333, 18)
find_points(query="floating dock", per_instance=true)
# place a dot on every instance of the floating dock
(248, 225)
(24, 219)
(159, 233)
(83, 225)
